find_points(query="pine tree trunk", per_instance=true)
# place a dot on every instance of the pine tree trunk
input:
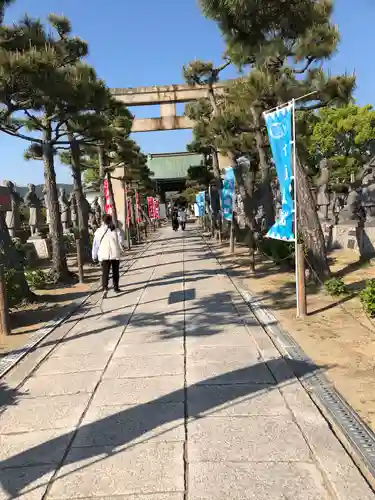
(10, 259)
(309, 225)
(101, 175)
(215, 162)
(59, 263)
(245, 185)
(82, 204)
(217, 218)
(266, 198)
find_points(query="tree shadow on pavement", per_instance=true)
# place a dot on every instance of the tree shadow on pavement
(109, 435)
(8, 396)
(205, 316)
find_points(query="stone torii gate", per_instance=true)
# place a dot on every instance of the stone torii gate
(167, 97)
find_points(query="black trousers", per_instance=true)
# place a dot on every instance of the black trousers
(183, 225)
(106, 266)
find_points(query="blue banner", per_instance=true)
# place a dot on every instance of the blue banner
(200, 201)
(279, 127)
(227, 194)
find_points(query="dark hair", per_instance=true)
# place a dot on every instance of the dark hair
(108, 221)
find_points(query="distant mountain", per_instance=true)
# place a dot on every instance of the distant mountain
(39, 189)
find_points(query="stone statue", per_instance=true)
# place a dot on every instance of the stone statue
(353, 210)
(64, 210)
(260, 220)
(92, 222)
(73, 209)
(276, 197)
(337, 206)
(97, 211)
(48, 219)
(322, 196)
(368, 193)
(33, 203)
(13, 218)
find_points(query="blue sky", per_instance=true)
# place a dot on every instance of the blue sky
(146, 42)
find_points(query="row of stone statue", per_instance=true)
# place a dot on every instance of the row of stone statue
(67, 205)
(357, 204)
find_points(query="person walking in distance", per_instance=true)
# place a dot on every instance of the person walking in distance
(182, 218)
(175, 219)
(106, 249)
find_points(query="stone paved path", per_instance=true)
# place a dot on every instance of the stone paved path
(173, 393)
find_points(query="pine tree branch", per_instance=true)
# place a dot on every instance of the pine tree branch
(314, 107)
(309, 62)
(21, 136)
(218, 70)
(35, 120)
(58, 135)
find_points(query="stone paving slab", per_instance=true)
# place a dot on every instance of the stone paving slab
(92, 342)
(256, 481)
(144, 469)
(246, 439)
(160, 496)
(121, 425)
(71, 364)
(142, 366)
(236, 400)
(14, 445)
(159, 338)
(160, 305)
(156, 322)
(61, 384)
(224, 371)
(219, 321)
(212, 337)
(140, 390)
(154, 347)
(34, 414)
(26, 483)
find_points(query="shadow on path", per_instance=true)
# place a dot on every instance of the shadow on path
(104, 436)
(203, 318)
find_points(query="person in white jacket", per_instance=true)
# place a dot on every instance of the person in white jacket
(106, 249)
(182, 218)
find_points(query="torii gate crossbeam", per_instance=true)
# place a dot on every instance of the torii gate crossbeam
(167, 96)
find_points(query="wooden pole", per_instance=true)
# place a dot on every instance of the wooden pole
(231, 241)
(79, 260)
(138, 232)
(4, 309)
(301, 288)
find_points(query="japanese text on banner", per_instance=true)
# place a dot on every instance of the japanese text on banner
(279, 127)
(156, 209)
(227, 194)
(200, 201)
(150, 206)
(108, 206)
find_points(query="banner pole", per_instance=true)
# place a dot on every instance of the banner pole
(295, 204)
(298, 248)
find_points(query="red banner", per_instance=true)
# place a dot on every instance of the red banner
(138, 218)
(156, 209)
(151, 207)
(128, 213)
(108, 206)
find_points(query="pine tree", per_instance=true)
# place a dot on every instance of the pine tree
(9, 256)
(282, 45)
(37, 80)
